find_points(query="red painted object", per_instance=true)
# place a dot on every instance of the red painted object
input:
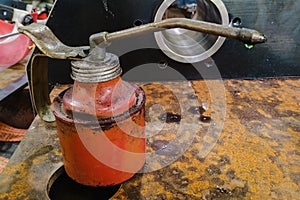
(101, 131)
(12, 49)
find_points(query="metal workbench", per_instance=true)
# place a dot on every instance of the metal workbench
(255, 155)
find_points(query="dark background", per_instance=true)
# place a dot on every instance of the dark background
(73, 21)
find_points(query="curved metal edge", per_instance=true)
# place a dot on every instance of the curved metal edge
(190, 59)
(39, 87)
(49, 44)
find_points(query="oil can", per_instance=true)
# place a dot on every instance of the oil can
(100, 123)
(100, 119)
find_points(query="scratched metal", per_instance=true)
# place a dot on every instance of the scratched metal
(257, 155)
(11, 74)
(12, 79)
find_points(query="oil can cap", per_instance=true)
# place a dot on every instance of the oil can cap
(93, 70)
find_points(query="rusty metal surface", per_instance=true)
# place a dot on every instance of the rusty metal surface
(15, 118)
(11, 74)
(257, 155)
(13, 78)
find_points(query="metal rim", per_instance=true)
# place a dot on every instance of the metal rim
(159, 37)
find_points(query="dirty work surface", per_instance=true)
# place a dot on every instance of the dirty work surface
(205, 141)
(12, 115)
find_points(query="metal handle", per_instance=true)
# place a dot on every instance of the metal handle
(39, 87)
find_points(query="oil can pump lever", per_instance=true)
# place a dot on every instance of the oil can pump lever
(49, 44)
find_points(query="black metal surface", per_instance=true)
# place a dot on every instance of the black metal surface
(15, 4)
(6, 12)
(74, 21)
(7, 148)
(280, 21)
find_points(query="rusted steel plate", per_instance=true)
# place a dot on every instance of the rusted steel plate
(255, 155)
(3, 163)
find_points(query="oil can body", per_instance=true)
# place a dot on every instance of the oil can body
(101, 131)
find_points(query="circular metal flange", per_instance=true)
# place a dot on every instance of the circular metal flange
(188, 46)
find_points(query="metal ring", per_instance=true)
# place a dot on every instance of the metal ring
(164, 44)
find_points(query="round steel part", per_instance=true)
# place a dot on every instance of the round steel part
(188, 46)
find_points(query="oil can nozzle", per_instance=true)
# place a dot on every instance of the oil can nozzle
(245, 35)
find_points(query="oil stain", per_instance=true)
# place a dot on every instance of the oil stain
(231, 174)
(163, 147)
(197, 110)
(205, 119)
(193, 96)
(213, 170)
(170, 117)
(159, 144)
(220, 193)
(224, 160)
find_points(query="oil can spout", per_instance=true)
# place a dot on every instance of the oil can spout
(245, 35)
(258, 38)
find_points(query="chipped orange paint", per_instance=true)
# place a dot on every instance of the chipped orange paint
(81, 138)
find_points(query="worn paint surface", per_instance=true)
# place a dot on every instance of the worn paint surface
(85, 142)
(256, 156)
